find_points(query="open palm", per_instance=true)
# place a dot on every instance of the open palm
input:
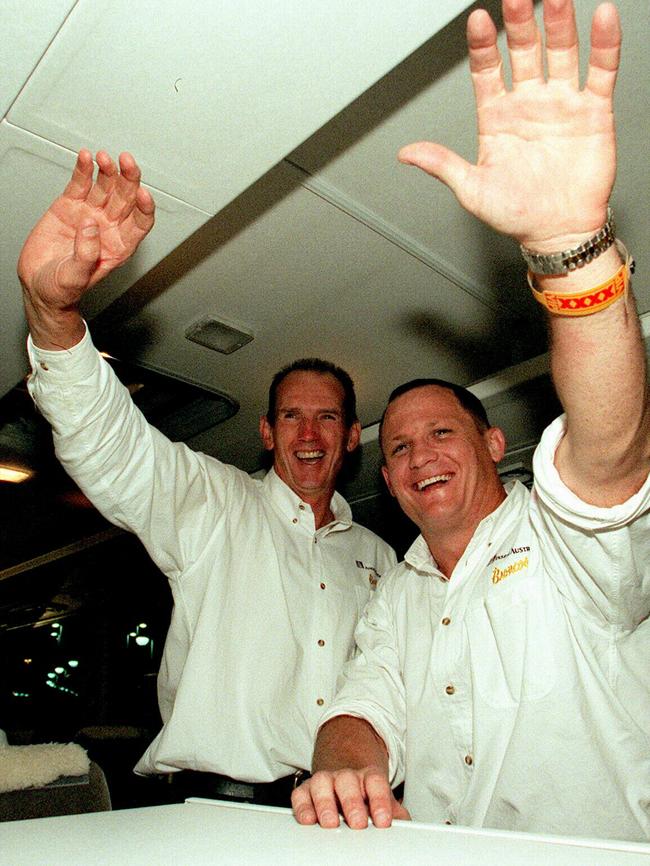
(547, 154)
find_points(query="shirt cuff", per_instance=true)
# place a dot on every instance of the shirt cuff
(75, 363)
(554, 493)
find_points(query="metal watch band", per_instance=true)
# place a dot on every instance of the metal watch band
(569, 260)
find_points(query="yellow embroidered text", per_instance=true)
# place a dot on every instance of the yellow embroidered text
(500, 573)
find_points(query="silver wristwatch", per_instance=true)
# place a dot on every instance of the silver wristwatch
(569, 260)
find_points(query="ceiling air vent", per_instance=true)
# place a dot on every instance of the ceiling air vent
(217, 335)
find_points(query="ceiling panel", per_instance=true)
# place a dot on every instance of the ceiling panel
(304, 278)
(211, 95)
(27, 27)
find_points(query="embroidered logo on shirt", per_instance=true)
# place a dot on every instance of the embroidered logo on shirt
(373, 576)
(500, 574)
(513, 551)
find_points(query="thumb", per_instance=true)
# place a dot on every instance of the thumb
(75, 272)
(439, 162)
(399, 811)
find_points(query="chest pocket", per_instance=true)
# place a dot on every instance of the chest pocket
(511, 646)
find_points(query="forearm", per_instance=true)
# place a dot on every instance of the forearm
(599, 371)
(349, 742)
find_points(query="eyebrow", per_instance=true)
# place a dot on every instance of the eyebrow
(335, 411)
(441, 421)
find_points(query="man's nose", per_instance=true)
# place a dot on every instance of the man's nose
(422, 453)
(307, 429)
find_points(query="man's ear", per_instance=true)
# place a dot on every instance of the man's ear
(354, 437)
(496, 442)
(384, 472)
(266, 433)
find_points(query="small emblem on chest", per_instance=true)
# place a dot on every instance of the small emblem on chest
(373, 574)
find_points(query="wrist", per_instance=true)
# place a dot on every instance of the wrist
(51, 327)
(591, 274)
(570, 252)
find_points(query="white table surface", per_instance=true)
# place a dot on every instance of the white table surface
(213, 832)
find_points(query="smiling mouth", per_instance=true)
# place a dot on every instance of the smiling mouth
(309, 455)
(434, 479)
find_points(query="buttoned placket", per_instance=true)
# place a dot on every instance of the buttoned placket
(319, 648)
(453, 680)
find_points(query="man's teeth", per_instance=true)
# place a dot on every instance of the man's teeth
(309, 455)
(433, 480)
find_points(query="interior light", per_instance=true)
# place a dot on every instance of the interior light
(59, 670)
(15, 476)
(73, 663)
(51, 675)
(142, 640)
(217, 335)
(133, 634)
(142, 625)
(56, 625)
(27, 661)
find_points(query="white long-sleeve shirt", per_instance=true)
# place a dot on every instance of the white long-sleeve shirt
(265, 605)
(516, 694)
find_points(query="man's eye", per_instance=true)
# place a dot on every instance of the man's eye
(399, 448)
(441, 431)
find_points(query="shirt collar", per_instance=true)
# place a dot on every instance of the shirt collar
(419, 556)
(291, 504)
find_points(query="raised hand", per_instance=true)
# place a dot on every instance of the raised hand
(546, 149)
(88, 231)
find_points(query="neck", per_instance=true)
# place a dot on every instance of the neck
(447, 550)
(448, 544)
(321, 507)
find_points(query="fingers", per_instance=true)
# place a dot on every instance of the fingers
(125, 187)
(561, 33)
(399, 812)
(315, 801)
(359, 794)
(526, 52)
(605, 51)
(380, 800)
(81, 181)
(144, 211)
(485, 62)
(116, 190)
(105, 181)
(524, 42)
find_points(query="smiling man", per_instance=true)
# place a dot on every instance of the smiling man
(502, 672)
(268, 577)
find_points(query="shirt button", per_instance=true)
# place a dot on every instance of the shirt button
(320, 702)
(450, 690)
(469, 760)
(446, 620)
(448, 823)
(322, 586)
(44, 365)
(295, 520)
(301, 507)
(321, 643)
